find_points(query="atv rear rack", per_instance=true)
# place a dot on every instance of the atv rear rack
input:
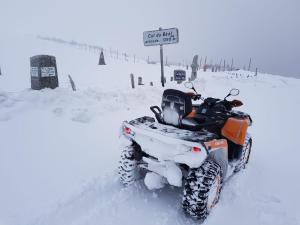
(148, 124)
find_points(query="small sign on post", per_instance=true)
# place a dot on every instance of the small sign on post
(161, 37)
(140, 81)
(179, 76)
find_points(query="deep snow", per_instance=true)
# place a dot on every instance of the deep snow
(59, 149)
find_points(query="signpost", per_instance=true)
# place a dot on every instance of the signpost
(161, 37)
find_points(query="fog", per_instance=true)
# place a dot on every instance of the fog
(265, 30)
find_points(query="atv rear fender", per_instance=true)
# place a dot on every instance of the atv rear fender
(168, 143)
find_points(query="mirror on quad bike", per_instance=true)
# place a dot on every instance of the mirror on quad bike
(233, 92)
(190, 85)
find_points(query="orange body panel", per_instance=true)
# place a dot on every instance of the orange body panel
(192, 114)
(236, 130)
(216, 144)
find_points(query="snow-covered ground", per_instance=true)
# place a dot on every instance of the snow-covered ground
(59, 148)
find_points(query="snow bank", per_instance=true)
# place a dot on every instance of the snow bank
(59, 149)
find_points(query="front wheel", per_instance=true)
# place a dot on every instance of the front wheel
(202, 189)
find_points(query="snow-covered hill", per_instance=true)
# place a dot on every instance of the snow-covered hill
(59, 148)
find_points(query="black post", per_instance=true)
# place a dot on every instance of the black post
(132, 80)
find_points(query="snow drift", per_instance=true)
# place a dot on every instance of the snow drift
(59, 149)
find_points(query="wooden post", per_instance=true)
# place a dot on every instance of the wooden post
(224, 65)
(72, 83)
(101, 59)
(249, 64)
(231, 67)
(205, 61)
(0, 71)
(151, 83)
(132, 80)
(256, 71)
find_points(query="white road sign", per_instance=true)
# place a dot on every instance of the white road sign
(48, 72)
(161, 37)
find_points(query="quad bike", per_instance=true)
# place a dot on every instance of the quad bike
(196, 147)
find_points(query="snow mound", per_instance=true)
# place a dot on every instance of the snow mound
(60, 149)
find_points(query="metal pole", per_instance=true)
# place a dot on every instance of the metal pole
(162, 78)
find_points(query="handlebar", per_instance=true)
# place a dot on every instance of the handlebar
(196, 97)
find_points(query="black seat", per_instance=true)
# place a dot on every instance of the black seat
(175, 106)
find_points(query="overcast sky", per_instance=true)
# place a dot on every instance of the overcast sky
(266, 30)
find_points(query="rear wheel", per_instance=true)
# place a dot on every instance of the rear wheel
(245, 155)
(128, 170)
(202, 189)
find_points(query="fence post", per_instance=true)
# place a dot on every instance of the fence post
(0, 71)
(72, 83)
(249, 67)
(101, 59)
(132, 80)
(151, 83)
(255, 72)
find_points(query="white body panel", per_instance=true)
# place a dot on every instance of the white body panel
(166, 147)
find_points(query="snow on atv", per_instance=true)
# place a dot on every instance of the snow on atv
(194, 146)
